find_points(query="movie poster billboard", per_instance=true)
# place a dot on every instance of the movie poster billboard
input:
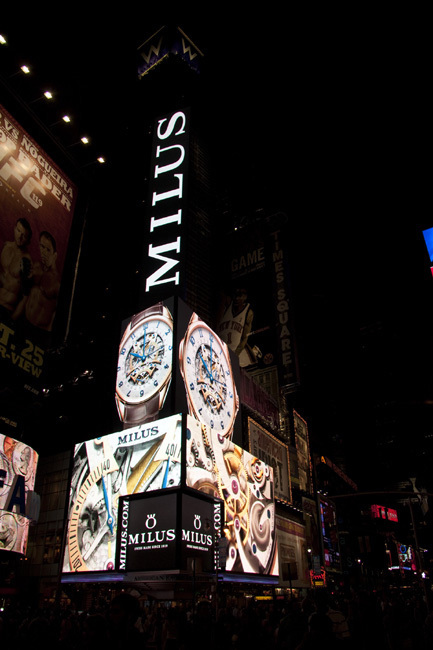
(18, 464)
(136, 460)
(37, 202)
(218, 467)
(276, 454)
(303, 452)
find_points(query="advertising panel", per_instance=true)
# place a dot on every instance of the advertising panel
(163, 259)
(37, 202)
(258, 325)
(136, 460)
(292, 553)
(328, 522)
(145, 365)
(276, 454)
(171, 361)
(18, 464)
(147, 539)
(150, 538)
(303, 452)
(216, 466)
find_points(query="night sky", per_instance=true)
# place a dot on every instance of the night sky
(335, 143)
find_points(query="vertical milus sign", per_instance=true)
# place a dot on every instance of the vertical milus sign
(167, 205)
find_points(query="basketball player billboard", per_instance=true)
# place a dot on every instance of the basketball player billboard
(37, 202)
(257, 324)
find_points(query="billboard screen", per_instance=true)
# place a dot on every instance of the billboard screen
(136, 460)
(218, 467)
(171, 361)
(147, 538)
(276, 454)
(258, 325)
(18, 463)
(151, 539)
(37, 202)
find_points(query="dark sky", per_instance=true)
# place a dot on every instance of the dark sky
(337, 140)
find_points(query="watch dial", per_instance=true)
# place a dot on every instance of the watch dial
(209, 380)
(145, 360)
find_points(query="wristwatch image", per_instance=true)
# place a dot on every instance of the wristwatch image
(93, 514)
(144, 367)
(204, 362)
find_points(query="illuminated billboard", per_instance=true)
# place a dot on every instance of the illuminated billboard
(163, 259)
(145, 365)
(166, 531)
(276, 454)
(18, 463)
(171, 361)
(218, 467)
(37, 203)
(136, 460)
(383, 512)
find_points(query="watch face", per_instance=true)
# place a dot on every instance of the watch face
(141, 460)
(208, 379)
(145, 360)
(92, 528)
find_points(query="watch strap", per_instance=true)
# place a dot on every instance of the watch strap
(141, 413)
(155, 310)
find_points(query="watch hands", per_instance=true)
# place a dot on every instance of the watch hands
(143, 357)
(107, 506)
(211, 355)
(205, 366)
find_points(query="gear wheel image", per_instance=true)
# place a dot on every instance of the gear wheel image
(235, 493)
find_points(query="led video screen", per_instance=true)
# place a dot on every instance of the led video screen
(218, 467)
(18, 463)
(148, 533)
(150, 538)
(137, 460)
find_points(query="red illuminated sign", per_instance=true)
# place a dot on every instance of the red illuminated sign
(381, 512)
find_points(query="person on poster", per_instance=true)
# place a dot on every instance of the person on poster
(15, 267)
(235, 327)
(39, 305)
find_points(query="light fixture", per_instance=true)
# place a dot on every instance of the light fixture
(101, 159)
(66, 118)
(25, 69)
(48, 94)
(2, 40)
(85, 139)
